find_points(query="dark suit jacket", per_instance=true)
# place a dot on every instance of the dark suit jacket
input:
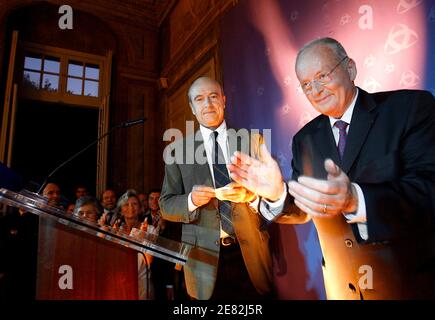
(390, 154)
(202, 227)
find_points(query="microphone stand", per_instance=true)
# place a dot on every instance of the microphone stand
(122, 125)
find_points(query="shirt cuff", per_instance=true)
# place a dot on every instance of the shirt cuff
(270, 209)
(278, 203)
(360, 216)
(254, 204)
(190, 206)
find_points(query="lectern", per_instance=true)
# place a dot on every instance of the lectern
(76, 265)
(78, 259)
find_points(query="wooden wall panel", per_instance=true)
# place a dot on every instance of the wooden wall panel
(178, 111)
(187, 15)
(139, 48)
(138, 149)
(145, 140)
(190, 37)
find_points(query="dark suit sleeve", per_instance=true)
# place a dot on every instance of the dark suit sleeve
(174, 199)
(394, 207)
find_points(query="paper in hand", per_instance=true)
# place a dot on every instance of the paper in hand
(220, 192)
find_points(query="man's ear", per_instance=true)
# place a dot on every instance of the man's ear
(225, 100)
(351, 69)
(192, 108)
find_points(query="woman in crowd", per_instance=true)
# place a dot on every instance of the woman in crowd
(130, 207)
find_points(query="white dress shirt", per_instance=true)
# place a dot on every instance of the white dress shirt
(222, 139)
(360, 216)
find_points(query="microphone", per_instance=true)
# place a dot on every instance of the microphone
(124, 124)
(130, 123)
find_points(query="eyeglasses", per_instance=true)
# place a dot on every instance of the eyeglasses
(320, 79)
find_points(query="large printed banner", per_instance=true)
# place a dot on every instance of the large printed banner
(393, 44)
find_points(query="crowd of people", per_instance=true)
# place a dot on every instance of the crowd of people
(126, 214)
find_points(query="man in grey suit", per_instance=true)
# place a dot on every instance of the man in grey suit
(238, 263)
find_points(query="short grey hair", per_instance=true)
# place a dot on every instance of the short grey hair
(127, 195)
(331, 43)
(85, 201)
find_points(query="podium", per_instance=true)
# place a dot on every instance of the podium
(78, 259)
(76, 265)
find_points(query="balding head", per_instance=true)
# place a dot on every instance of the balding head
(201, 81)
(335, 47)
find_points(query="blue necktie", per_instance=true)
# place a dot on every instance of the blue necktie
(221, 179)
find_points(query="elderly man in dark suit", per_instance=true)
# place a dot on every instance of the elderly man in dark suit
(364, 171)
(239, 263)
